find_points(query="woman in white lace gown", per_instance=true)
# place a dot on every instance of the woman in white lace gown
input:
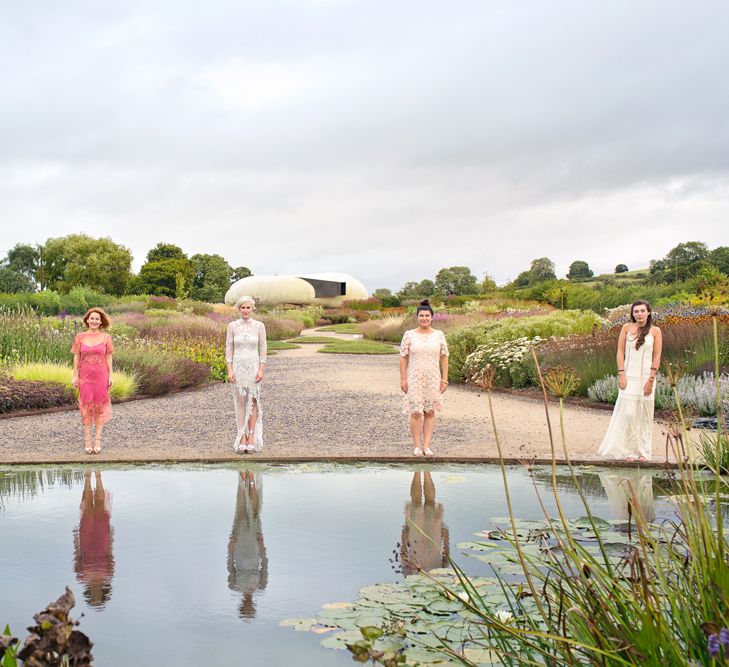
(423, 377)
(630, 433)
(245, 355)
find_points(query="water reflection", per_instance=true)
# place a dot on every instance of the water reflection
(93, 541)
(247, 560)
(430, 548)
(618, 487)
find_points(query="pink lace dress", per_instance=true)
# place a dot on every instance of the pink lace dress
(424, 352)
(93, 378)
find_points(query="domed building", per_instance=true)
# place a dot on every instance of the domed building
(321, 289)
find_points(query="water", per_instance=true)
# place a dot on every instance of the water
(198, 565)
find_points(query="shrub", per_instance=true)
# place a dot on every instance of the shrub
(27, 395)
(371, 303)
(161, 303)
(124, 385)
(307, 316)
(511, 361)
(465, 340)
(26, 337)
(195, 307)
(158, 372)
(279, 328)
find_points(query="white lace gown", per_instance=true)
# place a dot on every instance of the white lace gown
(245, 347)
(424, 352)
(630, 432)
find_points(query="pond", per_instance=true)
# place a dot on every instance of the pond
(179, 565)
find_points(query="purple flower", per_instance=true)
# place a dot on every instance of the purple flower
(724, 637)
(63, 314)
(713, 644)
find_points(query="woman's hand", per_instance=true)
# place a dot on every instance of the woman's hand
(648, 387)
(74, 381)
(110, 381)
(443, 386)
(231, 375)
(404, 386)
(622, 381)
(259, 375)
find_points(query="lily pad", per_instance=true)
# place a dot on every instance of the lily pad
(298, 624)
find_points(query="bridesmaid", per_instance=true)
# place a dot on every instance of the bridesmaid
(423, 377)
(630, 433)
(245, 356)
(92, 367)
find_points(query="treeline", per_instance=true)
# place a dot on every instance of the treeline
(65, 263)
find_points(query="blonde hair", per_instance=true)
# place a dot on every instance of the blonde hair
(245, 299)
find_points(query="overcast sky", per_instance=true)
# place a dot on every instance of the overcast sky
(385, 139)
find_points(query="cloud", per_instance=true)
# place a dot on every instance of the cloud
(386, 140)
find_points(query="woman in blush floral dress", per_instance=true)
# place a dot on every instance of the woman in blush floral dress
(245, 355)
(423, 377)
(92, 367)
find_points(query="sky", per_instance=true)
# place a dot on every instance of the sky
(381, 139)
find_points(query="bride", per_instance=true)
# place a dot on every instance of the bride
(629, 435)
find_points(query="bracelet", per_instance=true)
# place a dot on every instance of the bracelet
(654, 369)
(620, 370)
(444, 381)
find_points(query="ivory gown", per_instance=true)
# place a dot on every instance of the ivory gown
(630, 432)
(245, 347)
(424, 352)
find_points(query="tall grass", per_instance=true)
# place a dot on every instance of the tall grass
(26, 337)
(650, 599)
(124, 384)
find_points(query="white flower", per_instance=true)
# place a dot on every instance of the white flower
(504, 617)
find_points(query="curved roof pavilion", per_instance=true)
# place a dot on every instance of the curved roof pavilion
(321, 289)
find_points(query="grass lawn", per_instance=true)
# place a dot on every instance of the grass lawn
(358, 347)
(311, 339)
(273, 345)
(348, 328)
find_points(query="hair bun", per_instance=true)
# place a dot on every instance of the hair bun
(425, 302)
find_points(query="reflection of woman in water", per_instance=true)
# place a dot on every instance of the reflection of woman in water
(247, 561)
(418, 552)
(617, 487)
(92, 542)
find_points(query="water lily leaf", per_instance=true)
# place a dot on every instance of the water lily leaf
(341, 639)
(298, 624)
(337, 605)
(481, 656)
(323, 629)
(418, 655)
(479, 546)
(584, 522)
(444, 606)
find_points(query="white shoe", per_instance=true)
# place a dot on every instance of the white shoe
(428, 451)
(417, 451)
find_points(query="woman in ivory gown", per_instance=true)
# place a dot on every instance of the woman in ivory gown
(629, 435)
(245, 355)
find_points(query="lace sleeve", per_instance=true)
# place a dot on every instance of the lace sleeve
(443, 345)
(76, 344)
(109, 345)
(405, 345)
(229, 344)
(262, 343)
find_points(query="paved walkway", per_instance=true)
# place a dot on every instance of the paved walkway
(315, 406)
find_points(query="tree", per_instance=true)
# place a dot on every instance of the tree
(163, 251)
(240, 273)
(25, 259)
(386, 297)
(14, 282)
(621, 268)
(79, 259)
(488, 284)
(579, 270)
(686, 253)
(719, 257)
(413, 290)
(542, 269)
(212, 278)
(456, 280)
(161, 278)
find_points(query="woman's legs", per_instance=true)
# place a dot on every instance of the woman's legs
(87, 438)
(250, 439)
(416, 427)
(428, 428)
(99, 428)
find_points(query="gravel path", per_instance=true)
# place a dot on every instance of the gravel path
(315, 405)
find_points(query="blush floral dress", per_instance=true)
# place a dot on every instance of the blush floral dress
(93, 378)
(424, 352)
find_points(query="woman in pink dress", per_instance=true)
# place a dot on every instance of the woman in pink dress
(423, 377)
(92, 366)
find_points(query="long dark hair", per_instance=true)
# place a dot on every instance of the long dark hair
(424, 305)
(645, 329)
